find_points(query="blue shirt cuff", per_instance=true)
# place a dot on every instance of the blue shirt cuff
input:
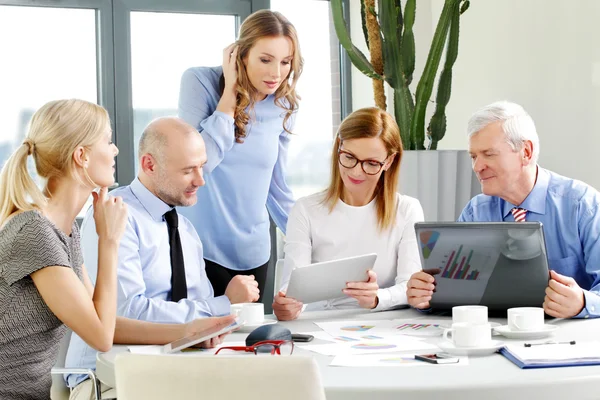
(219, 306)
(592, 305)
(225, 116)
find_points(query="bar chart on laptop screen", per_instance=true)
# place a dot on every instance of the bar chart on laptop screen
(459, 264)
(465, 272)
(465, 262)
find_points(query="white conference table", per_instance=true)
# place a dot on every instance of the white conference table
(490, 377)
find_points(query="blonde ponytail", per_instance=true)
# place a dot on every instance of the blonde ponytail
(18, 190)
(57, 129)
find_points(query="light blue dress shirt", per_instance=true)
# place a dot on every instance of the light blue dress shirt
(243, 180)
(568, 210)
(144, 271)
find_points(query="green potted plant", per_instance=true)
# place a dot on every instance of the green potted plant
(442, 180)
(388, 32)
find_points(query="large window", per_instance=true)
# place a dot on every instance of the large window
(319, 114)
(47, 54)
(163, 46)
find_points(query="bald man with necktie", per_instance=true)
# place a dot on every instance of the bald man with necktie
(161, 273)
(504, 148)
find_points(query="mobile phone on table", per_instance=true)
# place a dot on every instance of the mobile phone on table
(439, 358)
(300, 337)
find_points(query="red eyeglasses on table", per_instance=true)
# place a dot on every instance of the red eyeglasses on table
(266, 347)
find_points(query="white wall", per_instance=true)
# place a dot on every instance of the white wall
(543, 54)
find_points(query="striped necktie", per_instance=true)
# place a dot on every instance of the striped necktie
(519, 214)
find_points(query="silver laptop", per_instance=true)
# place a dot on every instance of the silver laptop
(496, 264)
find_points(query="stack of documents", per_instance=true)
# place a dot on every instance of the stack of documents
(553, 355)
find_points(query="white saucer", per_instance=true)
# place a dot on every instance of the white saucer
(444, 326)
(449, 347)
(546, 331)
(247, 328)
(521, 255)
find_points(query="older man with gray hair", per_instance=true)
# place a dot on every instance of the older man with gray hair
(504, 148)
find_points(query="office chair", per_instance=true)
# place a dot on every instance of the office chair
(153, 377)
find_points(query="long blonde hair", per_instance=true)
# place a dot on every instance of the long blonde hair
(261, 24)
(56, 130)
(370, 123)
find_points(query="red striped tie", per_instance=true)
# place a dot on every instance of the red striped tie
(519, 214)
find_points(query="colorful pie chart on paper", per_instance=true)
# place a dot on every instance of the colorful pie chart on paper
(373, 346)
(428, 239)
(357, 328)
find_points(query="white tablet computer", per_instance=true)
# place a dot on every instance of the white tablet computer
(325, 280)
(199, 337)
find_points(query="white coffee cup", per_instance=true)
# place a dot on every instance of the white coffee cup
(250, 313)
(525, 318)
(471, 314)
(465, 334)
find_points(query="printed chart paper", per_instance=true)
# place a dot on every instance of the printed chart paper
(357, 329)
(423, 329)
(354, 346)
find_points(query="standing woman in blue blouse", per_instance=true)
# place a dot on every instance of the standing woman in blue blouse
(244, 110)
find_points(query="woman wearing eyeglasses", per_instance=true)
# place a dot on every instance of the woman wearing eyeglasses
(361, 212)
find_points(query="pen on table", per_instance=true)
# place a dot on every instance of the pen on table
(543, 343)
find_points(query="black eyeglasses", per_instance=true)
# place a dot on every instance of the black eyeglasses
(370, 167)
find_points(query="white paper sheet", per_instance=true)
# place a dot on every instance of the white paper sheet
(369, 346)
(357, 329)
(389, 360)
(340, 330)
(423, 328)
(318, 335)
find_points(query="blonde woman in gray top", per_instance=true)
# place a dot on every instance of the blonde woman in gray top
(43, 282)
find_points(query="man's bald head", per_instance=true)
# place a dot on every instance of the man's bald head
(172, 155)
(160, 133)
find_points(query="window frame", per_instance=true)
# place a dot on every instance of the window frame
(113, 56)
(105, 79)
(122, 10)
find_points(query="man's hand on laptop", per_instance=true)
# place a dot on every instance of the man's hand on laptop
(420, 288)
(286, 308)
(564, 298)
(242, 289)
(364, 292)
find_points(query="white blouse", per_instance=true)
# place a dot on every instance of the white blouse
(315, 235)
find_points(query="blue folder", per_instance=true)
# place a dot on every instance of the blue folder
(548, 363)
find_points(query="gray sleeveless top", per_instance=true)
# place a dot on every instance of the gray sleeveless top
(30, 333)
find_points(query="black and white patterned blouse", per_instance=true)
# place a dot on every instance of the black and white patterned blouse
(30, 334)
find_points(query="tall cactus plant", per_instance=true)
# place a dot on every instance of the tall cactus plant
(389, 35)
